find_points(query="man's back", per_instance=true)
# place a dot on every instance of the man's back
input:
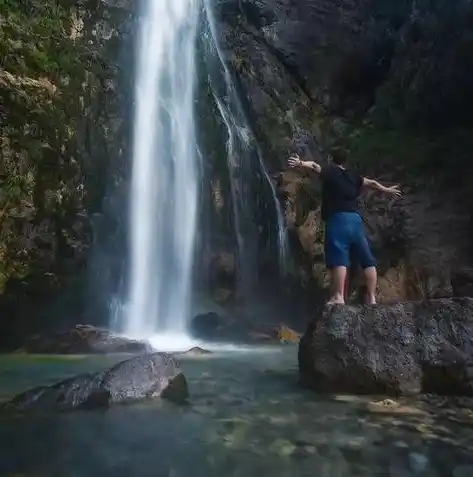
(340, 190)
(344, 232)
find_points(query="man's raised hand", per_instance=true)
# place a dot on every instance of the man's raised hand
(294, 161)
(394, 191)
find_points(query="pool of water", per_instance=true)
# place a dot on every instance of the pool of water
(247, 417)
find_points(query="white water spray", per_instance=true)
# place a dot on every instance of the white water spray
(240, 145)
(165, 173)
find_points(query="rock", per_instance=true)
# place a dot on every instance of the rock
(280, 334)
(139, 378)
(407, 348)
(401, 445)
(390, 407)
(213, 327)
(282, 447)
(419, 463)
(462, 282)
(222, 295)
(84, 339)
(463, 471)
(286, 335)
(195, 351)
(207, 326)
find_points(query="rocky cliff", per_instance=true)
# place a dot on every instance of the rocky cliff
(391, 82)
(63, 120)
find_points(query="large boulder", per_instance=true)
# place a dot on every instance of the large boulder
(208, 326)
(139, 378)
(406, 348)
(84, 339)
(213, 327)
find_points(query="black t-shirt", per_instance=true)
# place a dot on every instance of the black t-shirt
(340, 190)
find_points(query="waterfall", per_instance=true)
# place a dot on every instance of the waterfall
(244, 160)
(165, 170)
(165, 173)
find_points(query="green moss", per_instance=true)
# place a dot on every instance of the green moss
(49, 71)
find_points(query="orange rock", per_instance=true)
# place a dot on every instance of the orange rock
(286, 335)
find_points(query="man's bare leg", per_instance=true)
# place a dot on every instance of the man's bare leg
(371, 278)
(339, 276)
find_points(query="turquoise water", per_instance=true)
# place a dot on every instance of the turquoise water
(247, 417)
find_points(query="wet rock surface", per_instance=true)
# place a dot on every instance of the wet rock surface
(406, 348)
(212, 327)
(84, 339)
(208, 325)
(139, 378)
(193, 352)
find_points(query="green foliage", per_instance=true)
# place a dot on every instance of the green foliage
(413, 154)
(14, 187)
(49, 69)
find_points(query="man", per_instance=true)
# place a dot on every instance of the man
(344, 231)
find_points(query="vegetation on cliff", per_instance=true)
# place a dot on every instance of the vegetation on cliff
(59, 115)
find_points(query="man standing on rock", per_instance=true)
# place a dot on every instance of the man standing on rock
(344, 232)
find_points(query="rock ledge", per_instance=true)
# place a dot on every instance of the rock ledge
(407, 348)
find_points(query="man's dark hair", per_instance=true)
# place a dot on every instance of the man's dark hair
(339, 155)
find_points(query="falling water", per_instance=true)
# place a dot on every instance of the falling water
(165, 173)
(243, 157)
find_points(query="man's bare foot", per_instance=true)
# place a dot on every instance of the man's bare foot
(336, 300)
(370, 300)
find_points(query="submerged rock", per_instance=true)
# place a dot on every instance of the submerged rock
(84, 339)
(406, 348)
(139, 378)
(463, 471)
(419, 463)
(195, 351)
(391, 408)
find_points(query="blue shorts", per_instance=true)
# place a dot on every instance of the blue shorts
(345, 239)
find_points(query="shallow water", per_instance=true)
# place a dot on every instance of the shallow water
(247, 417)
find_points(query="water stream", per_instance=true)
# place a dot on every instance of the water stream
(244, 160)
(165, 174)
(246, 418)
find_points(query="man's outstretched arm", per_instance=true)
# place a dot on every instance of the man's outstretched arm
(392, 191)
(294, 161)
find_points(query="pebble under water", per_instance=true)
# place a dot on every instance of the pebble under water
(247, 417)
